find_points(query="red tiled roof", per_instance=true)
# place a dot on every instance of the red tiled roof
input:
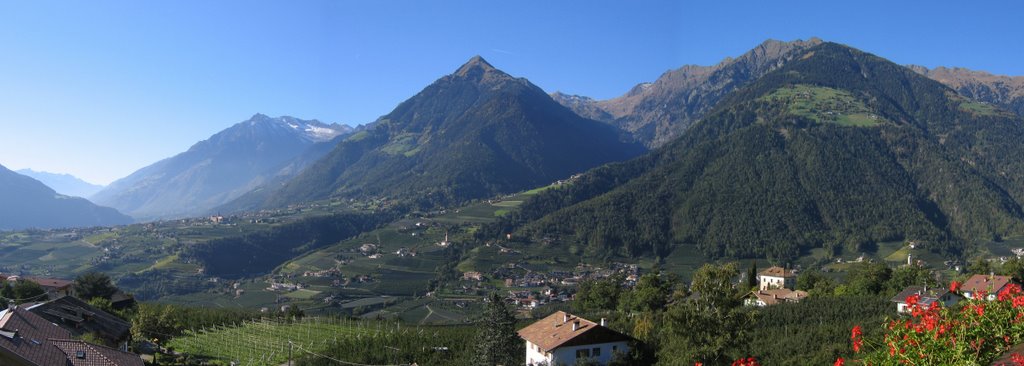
(989, 284)
(772, 296)
(776, 271)
(51, 282)
(556, 330)
(94, 355)
(25, 336)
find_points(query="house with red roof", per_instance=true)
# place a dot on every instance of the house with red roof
(988, 284)
(27, 339)
(563, 338)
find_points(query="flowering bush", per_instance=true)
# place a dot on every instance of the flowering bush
(974, 333)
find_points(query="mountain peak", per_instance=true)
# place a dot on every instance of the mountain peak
(476, 68)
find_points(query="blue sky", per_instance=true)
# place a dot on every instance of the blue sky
(99, 88)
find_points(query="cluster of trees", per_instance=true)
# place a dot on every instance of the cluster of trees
(20, 292)
(707, 322)
(161, 322)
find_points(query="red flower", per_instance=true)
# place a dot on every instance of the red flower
(954, 286)
(839, 362)
(912, 300)
(1017, 359)
(855, 336)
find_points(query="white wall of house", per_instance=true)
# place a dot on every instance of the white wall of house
(567, 355)
(770, 282)
(534, 356)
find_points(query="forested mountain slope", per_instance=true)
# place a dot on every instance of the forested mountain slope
(838, 149)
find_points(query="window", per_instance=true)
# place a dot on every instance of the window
(615, 348)
(596, 352)
(582, 353)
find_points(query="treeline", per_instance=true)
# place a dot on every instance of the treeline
(259, 252)
(707, 321)
(164, 321)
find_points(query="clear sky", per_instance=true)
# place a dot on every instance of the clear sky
(101, 88)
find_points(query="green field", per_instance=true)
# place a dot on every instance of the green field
(824, 105)
(979, 108)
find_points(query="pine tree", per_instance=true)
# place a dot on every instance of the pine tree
(752, 275)
(498, 343)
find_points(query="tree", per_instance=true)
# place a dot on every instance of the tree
(26, 291)
(497, 341)
(752, 275)
(868, 278)
(704, 329)
(980, 266)
(6, 293)
(815, 283)
(596, 295)
(94, 284)
(650, 293)
(911, 276)
(1013, 267)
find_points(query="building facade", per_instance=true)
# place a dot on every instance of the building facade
(563, 338)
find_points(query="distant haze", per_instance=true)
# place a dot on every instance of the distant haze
(65, 184)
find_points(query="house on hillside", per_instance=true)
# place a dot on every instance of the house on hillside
(773, 296)
(80, 318)
(989, 284)
(776, 277)
(54, 287)
(928, 296)
(27, 339)
(562, 338)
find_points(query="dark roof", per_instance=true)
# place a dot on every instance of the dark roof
(556, 330)
(987, 283)
(776, 271)
(94, 355)
(25, 336)
(79, 317)
(122, 299)
(927, 296)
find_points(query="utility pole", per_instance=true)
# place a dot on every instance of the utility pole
(289, 353)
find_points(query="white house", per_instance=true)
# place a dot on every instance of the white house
(989, 284)
(562, 338)
(776, 277)
(927, 297)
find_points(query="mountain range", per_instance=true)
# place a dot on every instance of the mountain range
(657, 112)
(28, 203)
(476, 133)
(65, 184)
(836, 149)
(1004, 91)
(229, 164)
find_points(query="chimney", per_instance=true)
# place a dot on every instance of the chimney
(575, 325)
(565, 318)
(603, 322)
